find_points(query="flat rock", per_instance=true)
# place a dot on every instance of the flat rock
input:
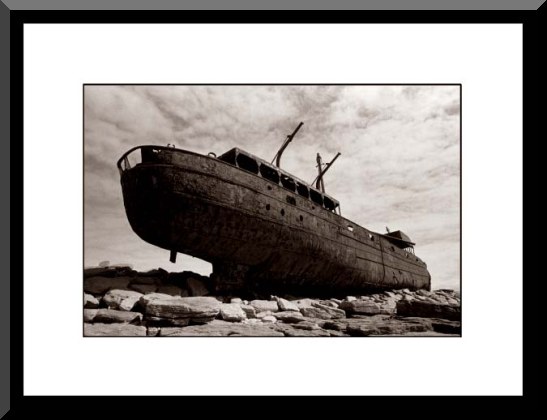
(109, 316)
(264, 305)
(144, 288)
(218, 328)
(444, 326)
(124, 300)
(289, 317)
(368, 307)
(196, 287)
(285, 305)
(236, 300)
(89, 314)
(232, 312)
(90, 301)
(261, 315)
(100, 285)
(198, 309)
(320, 311)
(428, 310)
(114, 330)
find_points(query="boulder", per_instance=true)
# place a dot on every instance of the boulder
(285, 305)
(89, 314)
(114, 330)
(289, 317)
(90, 301)
(152, 331)
(264, 305)
(109, 316)
(236, 300)
(196, 287)
(250, 312)
(232, 312)
(124, 300)
(100, 285)
(424, 309)
(197, 309)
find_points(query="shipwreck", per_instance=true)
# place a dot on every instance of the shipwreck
(259, 226)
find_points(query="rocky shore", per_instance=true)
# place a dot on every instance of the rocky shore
(119, 301)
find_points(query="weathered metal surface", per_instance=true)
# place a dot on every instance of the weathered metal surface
(243, 223)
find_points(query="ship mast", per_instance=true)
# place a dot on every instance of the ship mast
(289, 138)
(319, 183)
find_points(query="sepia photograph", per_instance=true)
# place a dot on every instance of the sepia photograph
(272, 210)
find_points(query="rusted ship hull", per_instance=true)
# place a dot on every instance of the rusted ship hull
(256, 233)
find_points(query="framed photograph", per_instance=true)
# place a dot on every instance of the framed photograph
(274, 205)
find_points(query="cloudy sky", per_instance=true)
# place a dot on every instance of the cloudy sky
(399, 165)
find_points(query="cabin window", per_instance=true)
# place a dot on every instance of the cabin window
(291, 200)
(229, 157)
(247, 163)
(350, 228)
(316, 197)
(269, 173)
(302, 190)
(329, 204)
(288, 182)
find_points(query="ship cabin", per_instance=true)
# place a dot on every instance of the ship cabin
(400, 240)
(250, 163)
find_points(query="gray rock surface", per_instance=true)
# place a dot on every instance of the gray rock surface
(197, 309)
(114, 330)
(124, 300)
(285, 305)
(264, 305)
(232, 312)
(90, 301)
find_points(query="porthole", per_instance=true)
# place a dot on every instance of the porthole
(269, 187)
(282, 212)
(301, 218)
(267, 207)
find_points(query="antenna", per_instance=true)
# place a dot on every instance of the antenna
(289, 138)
